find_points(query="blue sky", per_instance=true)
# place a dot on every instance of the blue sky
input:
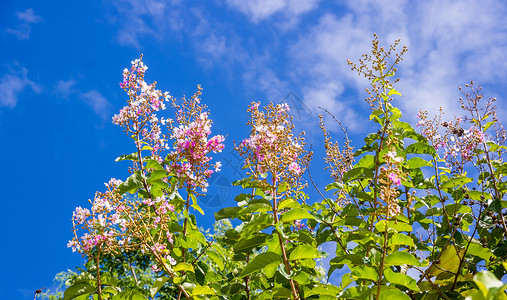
(62, 61)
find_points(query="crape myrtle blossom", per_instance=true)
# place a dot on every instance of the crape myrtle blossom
(458, 144)
(271, 146)
(179, 155)
(139, 117)
(113, 222)
(101, 224)
(395, 179)
(391, 177)
(464, 143)
(190, 159)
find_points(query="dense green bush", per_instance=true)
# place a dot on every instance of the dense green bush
(418, 212)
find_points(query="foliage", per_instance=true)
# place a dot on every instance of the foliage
(417, 214)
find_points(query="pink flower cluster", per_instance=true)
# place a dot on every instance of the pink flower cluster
(395, 179)
(100, 223)
(80, 215)
(270, 143)
(139, 117)
(464, 145)
(192, 146)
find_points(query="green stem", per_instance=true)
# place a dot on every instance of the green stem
(281, 242)
(383, 260)
(97, 265)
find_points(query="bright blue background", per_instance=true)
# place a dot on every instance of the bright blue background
(61, 62)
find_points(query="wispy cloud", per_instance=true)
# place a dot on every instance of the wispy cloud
(23, 29)
(139, 19)
(13, 84)
(450, 43)
(63, 89)
(259, 10)
(98, 103)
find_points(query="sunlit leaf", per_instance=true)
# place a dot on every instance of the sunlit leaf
(260, 262)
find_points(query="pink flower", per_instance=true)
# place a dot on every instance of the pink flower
(154, 268)
(157, 248)
(74, 245)
(148, 202)
(80, 215)
(169, 237)
(294, 167)
(394, 178)
(396, 159)
(283, 107)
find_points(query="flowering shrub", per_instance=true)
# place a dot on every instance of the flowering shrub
(417, 214)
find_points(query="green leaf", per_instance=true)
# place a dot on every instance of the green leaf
(334, 186)
(250, 241)
(156, 175)
(357, 173)
(111, 290)
(414, 135)
(302, 278)
(297, 213)
(489, 285)
(254, 207)
(305, 251)
(393, 92)
(392, 226)
(449, 261)
(401, 239)
(132, 184)
(287, 203)
(455, 182)
(393, 294)
(78, 289)
(283, 187)
(323, 289)
(348, 259)
(132, 156)
(479, 251)
(417, 162)
(227, 213)
(153, 164)
(357, 292)
(184, 266)
(157, 285)
(216, 258)
(401, 258)
(401, 279)
(396, 113)
(260, 262)
(202, 290)
(366, 161)
(365, 272)
(129, 295)
(420, 148)
(488, 125)
(257, 222)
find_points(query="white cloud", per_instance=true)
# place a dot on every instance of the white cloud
(215, 43)
(93, 98)
(97, 103)
(63, 89)
(259, 10)
(13, 84)
(450, 43)
(26, 18)
(138, 19)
